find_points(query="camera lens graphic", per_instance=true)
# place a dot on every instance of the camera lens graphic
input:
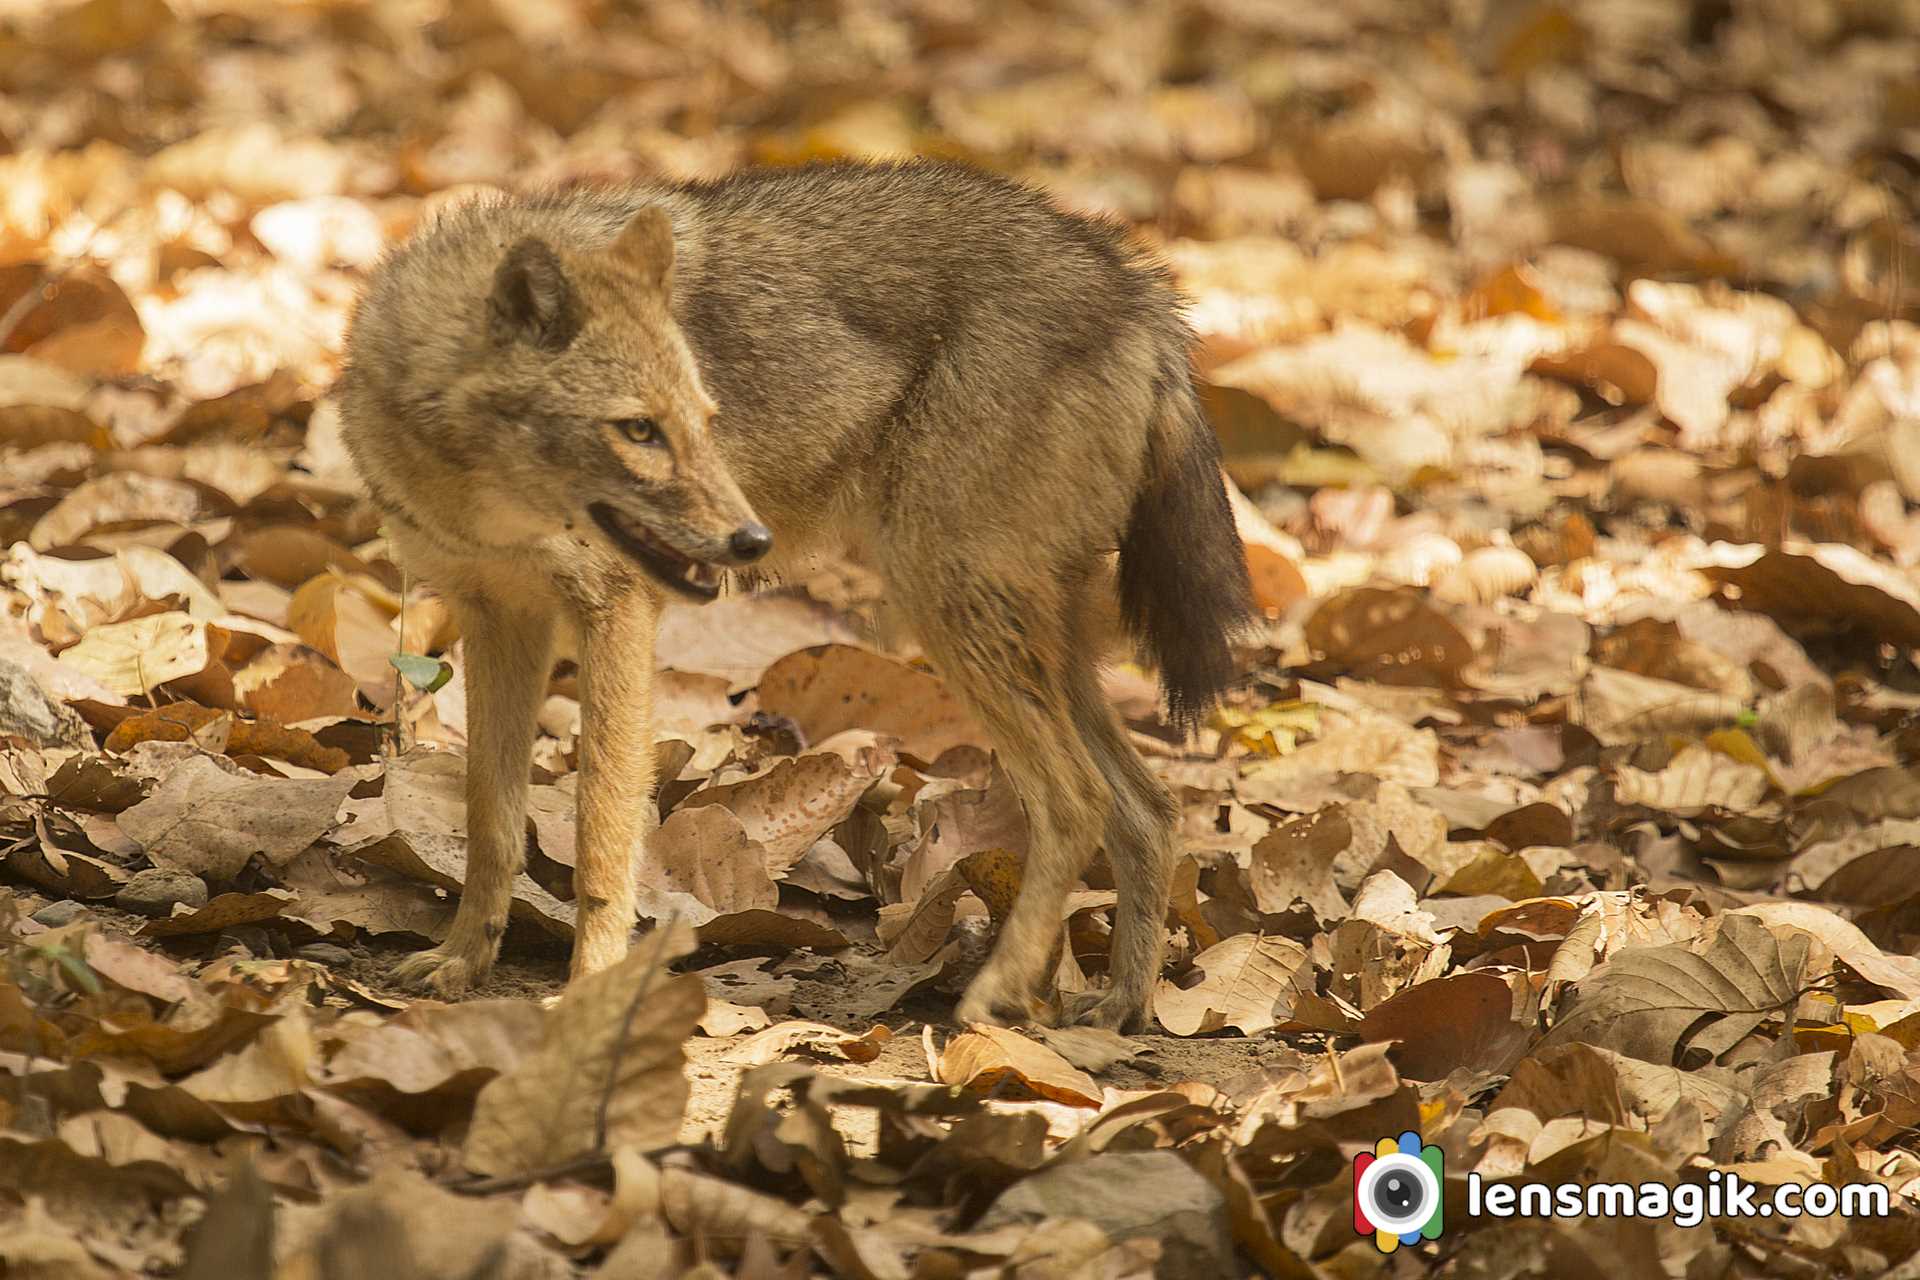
(1398, 1193)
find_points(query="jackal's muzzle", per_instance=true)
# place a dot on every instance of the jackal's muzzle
(695, 577)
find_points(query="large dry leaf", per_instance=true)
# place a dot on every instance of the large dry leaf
(815, 1038)
(608, 1072)
(1247, 982)
(432, 1048)
(1463, 1021)
(223, 911)
(738, 638)
(704, 853)
(1824, 582)
(82, 321)
(1899, 974)
(1594, 1082)
(1293, 864)
(827, 689)
(954, 824)
(1659, 1003)
(290, 684)
(131, 658)
(290, 554)
(210, 821)
(125, 497)
(1394, 637)
(795, 802)
(334, 615)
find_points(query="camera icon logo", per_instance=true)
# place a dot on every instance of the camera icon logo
(1396, 1192)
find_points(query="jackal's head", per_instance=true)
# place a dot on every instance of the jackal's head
(589, 375)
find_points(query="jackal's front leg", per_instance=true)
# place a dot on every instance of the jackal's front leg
(616, 773)
(509, 654)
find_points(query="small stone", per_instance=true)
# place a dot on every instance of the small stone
(155, 891)
(56, 914)
(325, 953)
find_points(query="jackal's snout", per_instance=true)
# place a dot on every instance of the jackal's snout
(750, 541)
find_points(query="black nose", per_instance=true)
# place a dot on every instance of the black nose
(750, 541)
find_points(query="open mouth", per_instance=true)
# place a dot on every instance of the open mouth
(683, 573)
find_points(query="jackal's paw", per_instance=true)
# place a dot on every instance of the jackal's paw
(442, 972)
(995, 1003)
(1109, 1010)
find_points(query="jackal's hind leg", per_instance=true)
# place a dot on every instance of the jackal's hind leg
(1140, 845)
(1002, 644)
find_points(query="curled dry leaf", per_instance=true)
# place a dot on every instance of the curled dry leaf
(124, 497)
(1354, 741)
(1899, 974)
(1293, 864)
(331, 614)
(816, 1038)
(437, 1049)
(988, 1059)
(1695, 781)
(220, 731)
(1092, 1049)
(417, 826)
(223, 911)
(1593, 1081)
(1827, 582)
(724, 1018)
(739, 638)
(83, 322)
(1247, 982)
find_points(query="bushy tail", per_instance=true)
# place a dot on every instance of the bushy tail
(1183, 570)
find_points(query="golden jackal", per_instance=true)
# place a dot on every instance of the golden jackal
(573, 404)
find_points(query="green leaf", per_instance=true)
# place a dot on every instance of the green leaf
(423, 673)
(77, 969)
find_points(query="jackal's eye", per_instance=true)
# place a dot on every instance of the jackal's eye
(638, 430)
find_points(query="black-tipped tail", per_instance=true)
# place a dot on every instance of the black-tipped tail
(1183, 571)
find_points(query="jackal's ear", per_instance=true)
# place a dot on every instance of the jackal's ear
(532, 301)
(645, 247)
